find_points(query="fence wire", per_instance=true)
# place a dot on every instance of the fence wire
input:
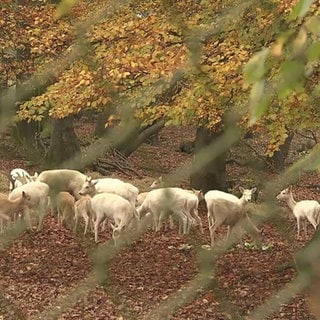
(306, 260)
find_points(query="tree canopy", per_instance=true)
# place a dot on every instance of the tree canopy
(258, 58)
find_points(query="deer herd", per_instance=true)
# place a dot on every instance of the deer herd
(111, 202)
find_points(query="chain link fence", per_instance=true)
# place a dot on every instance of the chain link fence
(306, 261)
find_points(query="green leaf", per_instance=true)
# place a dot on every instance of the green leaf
(313, 52)
(313, 160)
(301, 8)
(292, 73)
(313, 25)
(259, 101)
(255, 69)
(292, 70)
(300, 42)
(257, 91)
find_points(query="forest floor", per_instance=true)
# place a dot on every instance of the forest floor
(39, 269)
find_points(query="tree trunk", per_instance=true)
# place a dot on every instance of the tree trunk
(277, 161)
(28, 136)
(25, 133)
(64, 142)
(137, 138)
(213, 174)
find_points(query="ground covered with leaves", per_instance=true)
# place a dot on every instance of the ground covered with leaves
(37, 268)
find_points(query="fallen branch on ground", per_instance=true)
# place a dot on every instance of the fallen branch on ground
(113, 160)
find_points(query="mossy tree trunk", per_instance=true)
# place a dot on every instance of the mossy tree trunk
(139, 136)
(277, 161)
(64, 143)
(25, 133)
(213, 174)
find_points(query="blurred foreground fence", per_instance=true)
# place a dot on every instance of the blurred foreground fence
(307, 261)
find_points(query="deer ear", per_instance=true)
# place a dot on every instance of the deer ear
(254, 189)
(241, 189)
(160, 179)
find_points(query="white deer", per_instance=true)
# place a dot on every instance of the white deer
(302, 210)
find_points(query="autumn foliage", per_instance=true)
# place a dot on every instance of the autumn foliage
(127, 48)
